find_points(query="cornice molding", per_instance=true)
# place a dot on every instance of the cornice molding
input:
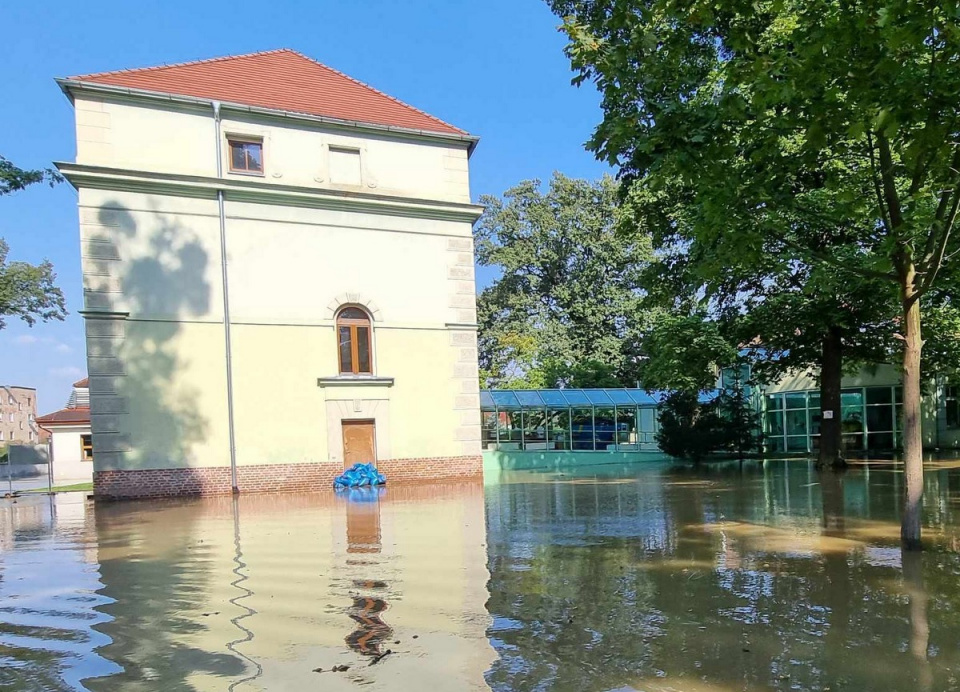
(259, 192)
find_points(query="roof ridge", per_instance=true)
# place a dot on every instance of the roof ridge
(187, 63)
(374, 89)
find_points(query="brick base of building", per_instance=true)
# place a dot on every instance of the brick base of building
(269, 478)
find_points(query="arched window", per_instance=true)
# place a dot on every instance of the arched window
(353, 337)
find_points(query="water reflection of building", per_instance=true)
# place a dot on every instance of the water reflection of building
(326, 582)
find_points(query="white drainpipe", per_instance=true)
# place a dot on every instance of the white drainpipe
(226, 303)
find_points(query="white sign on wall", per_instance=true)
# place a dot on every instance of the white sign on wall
(828, 415)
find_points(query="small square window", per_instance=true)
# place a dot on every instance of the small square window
(86, 447)
(246, 156)
(345, 166)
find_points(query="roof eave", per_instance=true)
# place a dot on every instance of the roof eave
(66, 85)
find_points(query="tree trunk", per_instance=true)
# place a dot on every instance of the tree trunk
(912, 434)
(831, 373)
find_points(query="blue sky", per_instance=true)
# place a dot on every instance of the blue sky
(495, 68)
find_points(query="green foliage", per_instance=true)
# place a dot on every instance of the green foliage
(13, 179)
(566, 307)
(816, 128)
(27, 291)
(692, 429)
(689, 429)
(683, 352)
(586, 374)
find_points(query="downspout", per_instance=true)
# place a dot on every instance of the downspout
(226, 304)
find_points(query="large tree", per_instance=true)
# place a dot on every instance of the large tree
(27, 291)
(749, 103)
(565, 308)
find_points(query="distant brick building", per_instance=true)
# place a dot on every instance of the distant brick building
(18, 415)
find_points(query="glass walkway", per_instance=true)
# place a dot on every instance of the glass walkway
(569, 419)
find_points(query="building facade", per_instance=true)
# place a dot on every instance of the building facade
(18, 415)
(262, 228)
(71, 440)
(871, 412)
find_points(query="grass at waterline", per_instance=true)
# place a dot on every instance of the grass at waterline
(75, 488)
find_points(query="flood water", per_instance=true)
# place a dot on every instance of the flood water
(656, 577)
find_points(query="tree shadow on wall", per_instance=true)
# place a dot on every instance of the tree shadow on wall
(161, 282)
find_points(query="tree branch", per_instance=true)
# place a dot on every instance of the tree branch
(889, 182)
(932, 267)
(876, 184)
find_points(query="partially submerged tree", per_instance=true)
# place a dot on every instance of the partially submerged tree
(748, 103)
(27, 291)
(566, 307)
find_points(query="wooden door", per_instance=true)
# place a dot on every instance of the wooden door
(358, 442)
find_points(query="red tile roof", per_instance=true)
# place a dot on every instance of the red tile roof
(66, 416)
(280, 80)
(85, 382)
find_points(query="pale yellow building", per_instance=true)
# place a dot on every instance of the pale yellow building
(278, 278)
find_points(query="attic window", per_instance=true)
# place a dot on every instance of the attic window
(246, 155)
(344, 166)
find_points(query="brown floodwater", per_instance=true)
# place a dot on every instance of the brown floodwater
(765, 576)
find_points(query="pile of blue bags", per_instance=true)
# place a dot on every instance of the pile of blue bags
(358, 476)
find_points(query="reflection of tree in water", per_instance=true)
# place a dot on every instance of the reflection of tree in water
(701, 585)
(159, 576)
(164, 281)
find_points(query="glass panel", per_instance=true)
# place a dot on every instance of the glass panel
(774, 402)
(774, 444)
(597, 396)
(898, 394)
(899, 417)
(346, 356)
(505, 398)
(254, 154)
(363, 349)
(797, 444)
(486, 400)
(851, 419)
(815, 417)
(606, 425)
(509, 424)
(880, 441)
(534, 429)
(237, 160)
(620, 396)
(582, 431)
(353, 314)
(813, 400)
(774, 423)
(851, 397)
(796, 400)
(879, 395)
(647, 425)
(627, 425)
(529, 398)
(490, 424)
(576, 397)
(553, 397)
(639, 396)
(879, 418)
(558, 433)
(797, 422)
